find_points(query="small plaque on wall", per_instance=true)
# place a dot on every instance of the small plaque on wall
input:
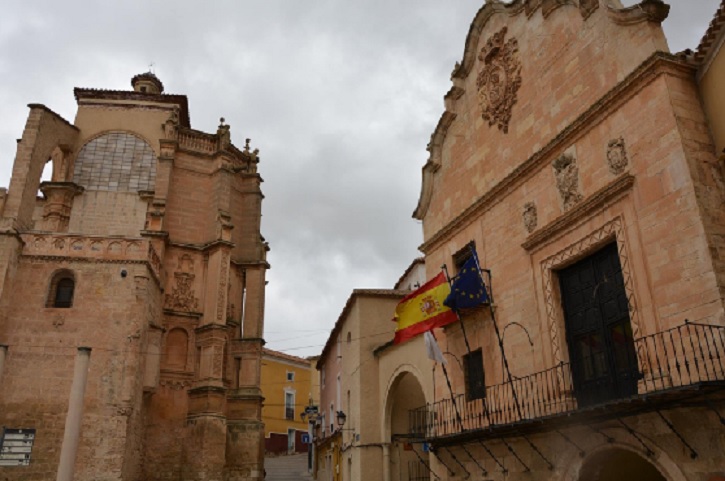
(16, 446)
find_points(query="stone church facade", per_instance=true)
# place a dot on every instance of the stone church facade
(131, 295)
(584, 162)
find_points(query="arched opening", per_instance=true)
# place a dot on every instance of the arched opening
(619, 465)
(62, 289)
(405, 395)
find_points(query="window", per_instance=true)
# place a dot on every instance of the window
(474, 375)
(289, 405)
(460, 257)
(62, 288)
(290, 376)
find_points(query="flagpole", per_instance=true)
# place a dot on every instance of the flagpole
(460, 321)
(450, 390)
(503, 356)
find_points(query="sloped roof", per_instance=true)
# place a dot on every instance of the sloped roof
(713, 32)
(284, 356)
(345, 310)
(102, 94)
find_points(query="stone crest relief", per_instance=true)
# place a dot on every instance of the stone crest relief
(617, 156)
(530, 217)
(499, 79)
(182, 296)
(567, 180)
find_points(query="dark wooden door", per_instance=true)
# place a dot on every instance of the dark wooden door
(598, 329)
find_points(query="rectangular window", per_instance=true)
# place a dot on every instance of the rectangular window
(290, 376)
(474, 375)
(289, 405)
(460, 257)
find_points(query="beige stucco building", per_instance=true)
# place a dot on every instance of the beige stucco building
(583, 161)
(131, 295)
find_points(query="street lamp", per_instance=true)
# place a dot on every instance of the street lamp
(341, 418)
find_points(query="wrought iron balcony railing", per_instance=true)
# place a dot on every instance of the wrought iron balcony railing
(687, 356)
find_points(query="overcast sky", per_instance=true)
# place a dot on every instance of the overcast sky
(340, 97)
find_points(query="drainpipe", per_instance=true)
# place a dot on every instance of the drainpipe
(3, 353)
(72, 432)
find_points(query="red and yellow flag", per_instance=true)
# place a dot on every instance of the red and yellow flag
(423, 309)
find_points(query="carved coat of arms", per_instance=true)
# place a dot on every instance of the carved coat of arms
(499, 79)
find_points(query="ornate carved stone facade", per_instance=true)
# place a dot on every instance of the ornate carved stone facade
(499, 79)
(120, 267)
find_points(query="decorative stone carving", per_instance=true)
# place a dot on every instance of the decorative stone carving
(567, 180)
(223, 279)
(499, 79)
(612, 230)
(171, 126)
(530, 217)
(175, 384)
(617, 156)
(587, 7)
(182, 296)
(58, 320)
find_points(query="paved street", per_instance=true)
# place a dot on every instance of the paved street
(287, 468)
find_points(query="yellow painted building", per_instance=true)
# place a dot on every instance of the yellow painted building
(286, 385)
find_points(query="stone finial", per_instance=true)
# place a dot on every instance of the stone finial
(225, 136)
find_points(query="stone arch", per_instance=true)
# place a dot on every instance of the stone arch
(404, 393)
(177, 348)
(621, 461)
(116, 161)
(61, 289)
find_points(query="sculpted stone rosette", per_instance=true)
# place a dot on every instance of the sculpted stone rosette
(499, 79)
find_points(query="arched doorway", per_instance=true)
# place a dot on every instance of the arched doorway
(619, 465)
(405, 394)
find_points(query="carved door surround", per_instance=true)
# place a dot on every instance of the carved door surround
(611, 230)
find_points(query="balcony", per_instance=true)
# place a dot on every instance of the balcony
(683, 364)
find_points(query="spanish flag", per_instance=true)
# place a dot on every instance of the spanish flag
(423, 309)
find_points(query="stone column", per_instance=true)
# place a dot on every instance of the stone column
(73, 419)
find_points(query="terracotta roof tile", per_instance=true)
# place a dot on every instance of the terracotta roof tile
(712, 34)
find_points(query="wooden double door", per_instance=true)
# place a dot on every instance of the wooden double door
(598, 328)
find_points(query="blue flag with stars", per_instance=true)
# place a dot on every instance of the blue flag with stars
(467, 288)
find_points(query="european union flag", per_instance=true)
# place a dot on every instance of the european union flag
(467, 289)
